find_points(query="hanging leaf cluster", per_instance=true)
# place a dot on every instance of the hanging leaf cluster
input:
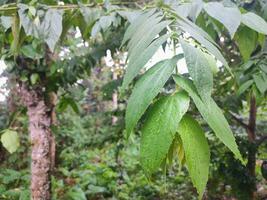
(166, 125)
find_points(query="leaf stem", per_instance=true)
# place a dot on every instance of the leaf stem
(174, 54)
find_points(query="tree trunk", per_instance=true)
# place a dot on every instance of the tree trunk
(39, 114)
(252, 150)
(52, 104)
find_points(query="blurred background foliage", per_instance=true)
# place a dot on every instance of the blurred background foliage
(95, 161)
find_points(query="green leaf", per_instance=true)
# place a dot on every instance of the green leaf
(75, 193)
(261, 82)
(135, 65)
(230, 17)
(136, 24)
(34, 78)
(90, 15)
(244, 87)
(204, 39)
(30, 52)
(145, 35)
(16, 34)
(199, 69)
(6, 22)
(263, 68)
(180, 151)
(52, 27)
(247, 41)
(261, 40)
(10, 140)
(212, 114)
(255, 22)
(159, 129)
(68, 101)
(212, 63)
(47, 28)
(131, 16)
(191, 10)
(146, 89)
(197, 153)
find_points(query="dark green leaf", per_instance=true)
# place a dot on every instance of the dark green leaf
(247, 41)
(244, 87)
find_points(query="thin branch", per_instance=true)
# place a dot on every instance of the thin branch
(261, 140)
(239, 120)
(66, 7)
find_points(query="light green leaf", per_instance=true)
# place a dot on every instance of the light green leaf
(255, 22)
(34, 78)
(47, 27)
(6, 22)
(195, 30)
(197, 153)
(32, 11)
(10, 140)
(261, 40)
(180, 151)
(247, 41)
(244, 87)
(146, 89)
(136, 64)
(212, 63)
(199, 69)
(52, 27)
(230, 17)
(203, 39)
(28, 24)
(145, 35)
(159, 129)
(191, 9)
(212, 114)
(136, 24)
(131, 16)
(263, 68)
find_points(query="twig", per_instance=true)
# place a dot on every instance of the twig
(65, 7)
(239, 120)
(261, 140)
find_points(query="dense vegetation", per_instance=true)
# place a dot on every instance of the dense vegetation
(90, 114)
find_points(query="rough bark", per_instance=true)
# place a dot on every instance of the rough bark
(52, 105)
(39, 114)
(252, 150)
